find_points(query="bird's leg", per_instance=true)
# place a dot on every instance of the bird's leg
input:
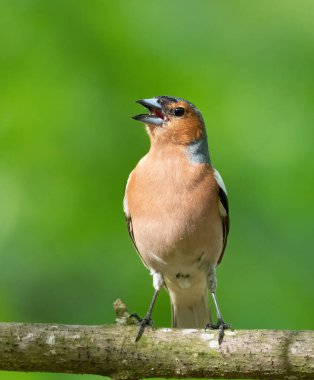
(147, 320)
(220, 325)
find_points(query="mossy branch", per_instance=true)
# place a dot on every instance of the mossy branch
(111, 351)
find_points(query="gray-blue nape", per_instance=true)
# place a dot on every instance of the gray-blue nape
(198, 151)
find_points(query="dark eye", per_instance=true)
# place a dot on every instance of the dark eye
(179, 111)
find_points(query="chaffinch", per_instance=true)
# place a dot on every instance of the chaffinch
(177, 212)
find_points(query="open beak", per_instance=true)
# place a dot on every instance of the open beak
(155, 116)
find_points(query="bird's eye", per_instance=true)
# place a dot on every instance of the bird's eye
(179, 111)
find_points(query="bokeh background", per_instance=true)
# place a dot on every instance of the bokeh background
(70, 72)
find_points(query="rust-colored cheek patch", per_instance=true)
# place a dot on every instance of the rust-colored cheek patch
(186, 130)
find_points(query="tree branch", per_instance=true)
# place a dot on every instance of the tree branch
(111, 351)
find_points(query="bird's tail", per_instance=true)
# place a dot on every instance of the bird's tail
(190, 309)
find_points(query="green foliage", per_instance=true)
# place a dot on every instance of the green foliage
(70, 72)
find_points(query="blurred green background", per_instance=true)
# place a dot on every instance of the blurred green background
(70, 72)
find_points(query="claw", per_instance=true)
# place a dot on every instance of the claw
(221, 326)
(136, 317)
(144, 322)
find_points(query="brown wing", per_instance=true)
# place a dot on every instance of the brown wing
(224, 204)
(130, 229)
(129, 224)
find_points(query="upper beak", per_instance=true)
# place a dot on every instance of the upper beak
(150, 103)
(156, 115)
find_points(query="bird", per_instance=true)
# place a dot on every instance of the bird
(177, 213)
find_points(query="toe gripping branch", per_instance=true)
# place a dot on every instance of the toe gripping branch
(147, 321)
(143, 323)
(221, 326)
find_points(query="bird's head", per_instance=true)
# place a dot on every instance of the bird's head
(172, 120)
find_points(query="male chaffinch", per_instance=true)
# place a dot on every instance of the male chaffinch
(177, 212)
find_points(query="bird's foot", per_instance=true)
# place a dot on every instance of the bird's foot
(143, 322)
(221, 326)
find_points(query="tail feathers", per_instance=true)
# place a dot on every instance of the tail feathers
(190, 312)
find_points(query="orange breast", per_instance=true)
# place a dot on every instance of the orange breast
(173, 204)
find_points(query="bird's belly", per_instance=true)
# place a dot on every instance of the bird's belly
(180, 245)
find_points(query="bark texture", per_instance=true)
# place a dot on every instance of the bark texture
(111, 351)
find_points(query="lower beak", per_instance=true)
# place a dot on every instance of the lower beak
(155, 117)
